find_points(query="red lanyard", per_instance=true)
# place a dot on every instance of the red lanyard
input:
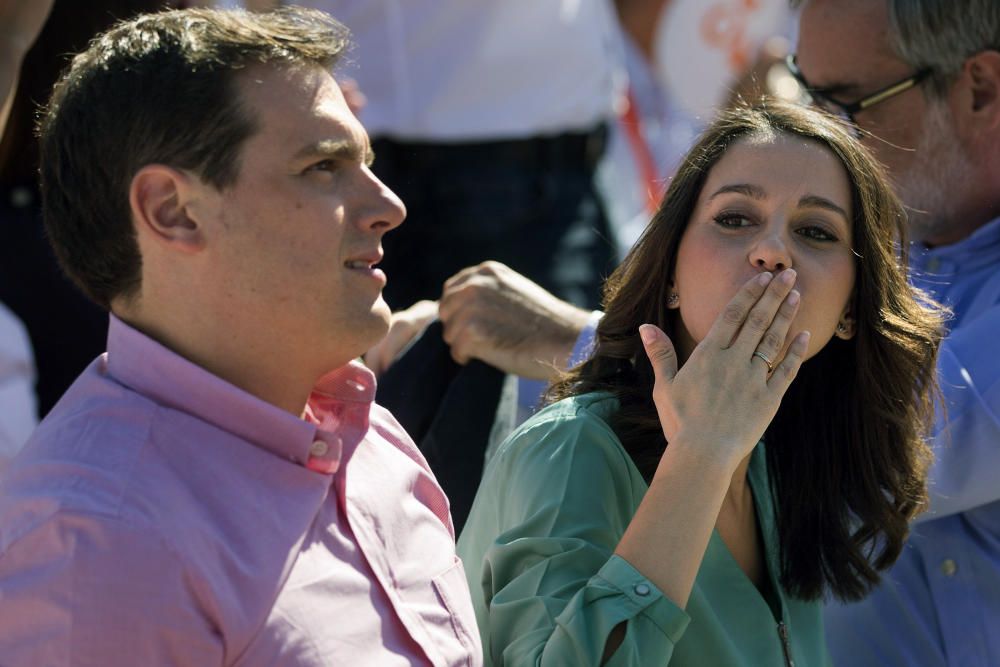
(632, 125)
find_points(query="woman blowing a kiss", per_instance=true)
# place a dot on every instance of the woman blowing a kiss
(748, 434)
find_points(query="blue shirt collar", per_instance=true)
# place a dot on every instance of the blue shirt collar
(980, 248)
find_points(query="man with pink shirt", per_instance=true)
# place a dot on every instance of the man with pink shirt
(209, 491)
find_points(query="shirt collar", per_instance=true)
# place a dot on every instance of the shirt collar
(340, 401)
(339, 406)
(980, 248)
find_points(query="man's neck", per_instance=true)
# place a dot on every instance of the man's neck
(934, 233)
(253, 365)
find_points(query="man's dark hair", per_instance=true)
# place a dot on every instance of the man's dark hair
(160, 88)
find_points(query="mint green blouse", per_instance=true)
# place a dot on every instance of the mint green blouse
(538, 552)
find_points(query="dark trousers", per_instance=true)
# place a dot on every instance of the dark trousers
(531, 204)
(448, 410)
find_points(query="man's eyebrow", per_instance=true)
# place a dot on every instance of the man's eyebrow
(838, 91)
(747, 189)
(832, 90)
(337, 150)
(815, 201)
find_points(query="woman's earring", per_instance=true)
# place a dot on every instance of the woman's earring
(673, 299)
(845, 329)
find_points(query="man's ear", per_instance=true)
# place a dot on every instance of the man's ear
(160, 198)
(979, 102)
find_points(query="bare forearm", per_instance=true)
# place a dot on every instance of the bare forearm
(556, 339)
(669, 533)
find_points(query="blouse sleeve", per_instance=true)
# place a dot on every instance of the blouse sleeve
(542, 535)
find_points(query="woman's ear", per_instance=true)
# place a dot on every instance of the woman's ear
(160, 200)
(846, 326)
(673, 298)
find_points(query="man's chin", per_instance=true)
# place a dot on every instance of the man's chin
(924, 227)
(371, 327)
(381, 310)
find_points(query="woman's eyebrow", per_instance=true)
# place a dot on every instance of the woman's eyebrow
(757, 192)
(748, 189)
(815, 201)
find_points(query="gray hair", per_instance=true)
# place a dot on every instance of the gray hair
(942, 34)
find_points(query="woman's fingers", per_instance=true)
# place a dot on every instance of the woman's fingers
(762, 314)
(769, 349)
(729, 323)
(663, 359)
(660, 351)
(786, 371)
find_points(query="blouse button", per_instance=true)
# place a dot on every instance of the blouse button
(20, 197)
(949, 567)
(318, 448)
(641, 590)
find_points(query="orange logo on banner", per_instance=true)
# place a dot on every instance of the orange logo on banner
(724, 26)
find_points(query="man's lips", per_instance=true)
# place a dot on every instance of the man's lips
(367, 266)
(364, 262)
(359, 264)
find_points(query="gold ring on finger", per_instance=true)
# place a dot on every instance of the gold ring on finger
(770, 364)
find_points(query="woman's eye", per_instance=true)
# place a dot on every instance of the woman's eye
(817, 233)
(733, 220)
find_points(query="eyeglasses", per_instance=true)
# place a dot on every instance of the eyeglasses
(846, 111)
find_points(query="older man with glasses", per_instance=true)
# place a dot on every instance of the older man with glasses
(920, 79)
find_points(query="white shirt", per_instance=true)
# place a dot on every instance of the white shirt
(18, 404)
(466, 70)
(667, 130)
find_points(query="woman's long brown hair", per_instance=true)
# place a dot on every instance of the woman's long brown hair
(846, 451)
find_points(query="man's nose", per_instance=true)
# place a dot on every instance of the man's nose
(387, 210)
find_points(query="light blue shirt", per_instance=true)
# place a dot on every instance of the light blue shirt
(940, 603)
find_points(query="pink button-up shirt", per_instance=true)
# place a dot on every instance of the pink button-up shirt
(160, 515)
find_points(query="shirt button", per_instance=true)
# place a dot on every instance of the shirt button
(642, 590)
(318, 448)
(933, 265)
(949, 567)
